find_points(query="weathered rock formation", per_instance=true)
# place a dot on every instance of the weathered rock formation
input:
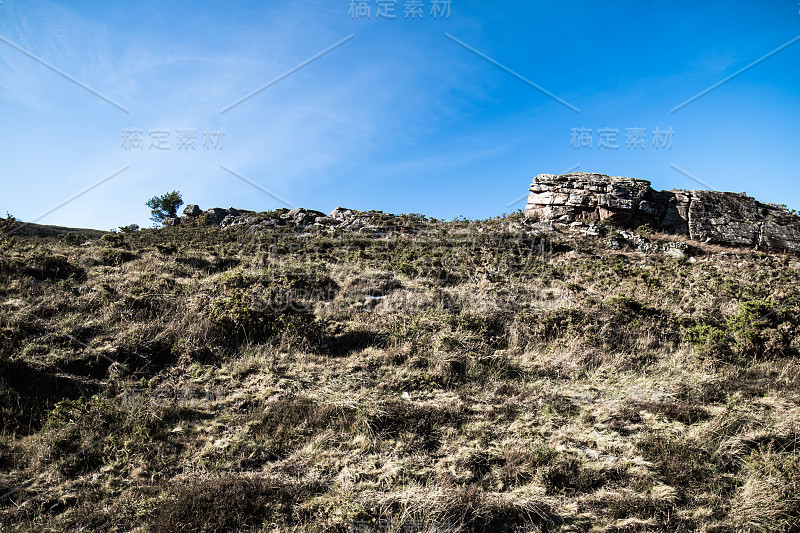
(192, 210)
(375, 222)
(706, 216)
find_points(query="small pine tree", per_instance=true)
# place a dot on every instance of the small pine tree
(164, 206)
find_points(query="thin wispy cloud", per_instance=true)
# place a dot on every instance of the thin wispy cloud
(399, 101)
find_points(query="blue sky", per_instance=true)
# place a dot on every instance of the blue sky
(406, 115)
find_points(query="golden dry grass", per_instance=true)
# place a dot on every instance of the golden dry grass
(464, 378)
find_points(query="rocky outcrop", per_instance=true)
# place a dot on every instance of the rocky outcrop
(192, 210)
(340, 219)
(706, 216)
(302, 217)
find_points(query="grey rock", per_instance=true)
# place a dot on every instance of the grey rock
(231, 221)
(84, 289)
(676, 250)
(302, 217)
(216, 215)
(341, 214)
(617, 242)
(593, 231)
(192, 210)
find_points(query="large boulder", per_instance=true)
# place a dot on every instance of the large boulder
(302, 217)
(342, 213)
(215, 215)
(592, 197)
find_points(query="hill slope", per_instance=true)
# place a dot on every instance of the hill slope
(472, 376)
(30, 229)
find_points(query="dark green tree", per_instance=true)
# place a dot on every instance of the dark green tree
(164, 206)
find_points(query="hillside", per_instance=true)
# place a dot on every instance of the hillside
(30, 229)
(495, 375)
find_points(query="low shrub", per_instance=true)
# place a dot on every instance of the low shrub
(707, 340)
(228, 503)
(46, 266)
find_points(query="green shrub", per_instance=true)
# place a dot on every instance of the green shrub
(72, 238)
(761, 330)
(115, 256)
(757, 330)
(707, 340)
(259, 315)
(45, 266)
(130, 228)
(7, 224)
(113, 240)
(234, 313)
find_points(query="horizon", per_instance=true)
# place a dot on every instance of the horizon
(449, 109)
(180, 209)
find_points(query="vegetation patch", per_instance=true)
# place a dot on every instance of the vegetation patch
(466, 375)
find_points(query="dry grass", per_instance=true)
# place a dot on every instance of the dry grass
(464, 378)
